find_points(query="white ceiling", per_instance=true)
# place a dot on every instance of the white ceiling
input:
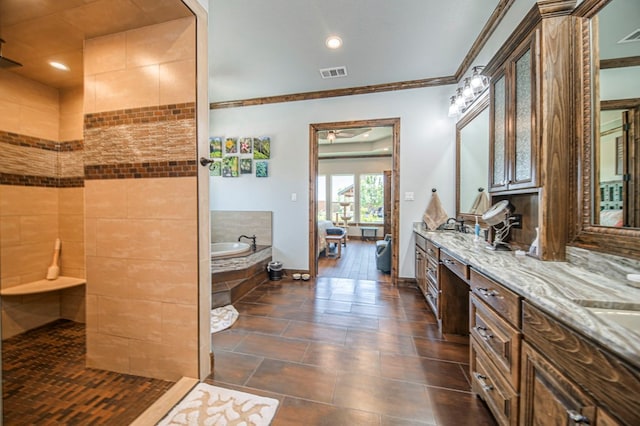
(275, 47)
(264, 48)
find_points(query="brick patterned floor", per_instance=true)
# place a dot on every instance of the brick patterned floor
(45, 382)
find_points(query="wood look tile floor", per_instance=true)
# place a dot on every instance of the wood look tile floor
(338, 351)
(358, 262)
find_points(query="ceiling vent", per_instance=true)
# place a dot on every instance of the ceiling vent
(333, 72)
(634, 36)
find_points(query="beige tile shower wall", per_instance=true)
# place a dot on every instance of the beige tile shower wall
(71, 114)
(148, 66)
(142, 276)
(227, 226)
(28, 229)
(27, 107)
(71, 231)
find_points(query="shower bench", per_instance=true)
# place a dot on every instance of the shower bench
(43, 286)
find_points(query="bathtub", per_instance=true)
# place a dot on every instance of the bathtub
(228, 249)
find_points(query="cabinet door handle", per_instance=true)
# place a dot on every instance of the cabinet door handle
(481, 379)
(430, 251)
(577, 418)
(449, 262)
(483, 332)
(486, 292)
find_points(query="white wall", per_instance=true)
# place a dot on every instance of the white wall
(427, 159)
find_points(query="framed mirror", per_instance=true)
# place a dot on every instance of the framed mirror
(608, 174)
(472, 161)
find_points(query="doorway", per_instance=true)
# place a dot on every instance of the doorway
(394, 182)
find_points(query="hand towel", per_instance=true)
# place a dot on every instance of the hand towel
(481, 204)
(434, 215)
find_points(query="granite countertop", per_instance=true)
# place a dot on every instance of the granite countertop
(559, 288)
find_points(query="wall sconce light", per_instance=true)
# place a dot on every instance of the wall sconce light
(478, 81)
(331, 136)
(471, 89)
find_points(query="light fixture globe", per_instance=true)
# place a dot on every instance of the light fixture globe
(478, 81)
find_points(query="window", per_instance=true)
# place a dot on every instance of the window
(371, 198)
(322, 197)
(342, 197)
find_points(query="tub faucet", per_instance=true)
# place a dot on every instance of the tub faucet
(252, 238)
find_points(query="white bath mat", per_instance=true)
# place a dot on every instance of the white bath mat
(223, 317)
(211, 405)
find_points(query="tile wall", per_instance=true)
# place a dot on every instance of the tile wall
(227, 226)
(141, 201)
(41, 198)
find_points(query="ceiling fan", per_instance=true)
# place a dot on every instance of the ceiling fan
(332, 135)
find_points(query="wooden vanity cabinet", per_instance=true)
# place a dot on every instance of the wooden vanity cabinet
(549, 396)
(494, 320)
(492, 387)
(433, 281)
(421, 263)
(567, 376)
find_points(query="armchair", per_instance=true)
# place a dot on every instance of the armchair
(383, 254)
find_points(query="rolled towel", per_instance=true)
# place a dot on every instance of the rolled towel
(434, 215)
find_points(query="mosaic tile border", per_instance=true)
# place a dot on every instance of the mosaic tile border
(25, 141)
(28, 141)
(170, 112)
(42, 181)
(158, 169)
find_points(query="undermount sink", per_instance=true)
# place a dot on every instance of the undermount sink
(626, 318)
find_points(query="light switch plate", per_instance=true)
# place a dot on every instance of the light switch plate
(408, 196)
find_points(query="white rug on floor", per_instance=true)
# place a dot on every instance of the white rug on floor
(211, 405)
(223, 317)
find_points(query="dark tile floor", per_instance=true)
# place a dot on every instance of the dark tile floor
(347, 352)
(45, 382)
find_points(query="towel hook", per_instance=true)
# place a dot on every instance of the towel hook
(433, 190)
(480, 189)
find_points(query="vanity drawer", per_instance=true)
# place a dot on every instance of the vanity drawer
(432, 271)
(433, 251)
(433, 298)
(421, 242)
(504, 301)
(498, 339)
(456, 266)
(494, 389)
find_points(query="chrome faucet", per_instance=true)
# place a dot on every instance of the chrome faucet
(252, 238)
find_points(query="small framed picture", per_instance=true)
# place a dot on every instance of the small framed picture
(215, 168)
(262, 148)
(215, 147)
(246, 166)
(230, 166)
(262, 169)
(246, 145)
(231, 146)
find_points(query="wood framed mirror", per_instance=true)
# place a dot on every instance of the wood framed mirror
(607, 174)
(472, 161)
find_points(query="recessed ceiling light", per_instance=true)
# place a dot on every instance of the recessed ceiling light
(333, 42)
(59, 66)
